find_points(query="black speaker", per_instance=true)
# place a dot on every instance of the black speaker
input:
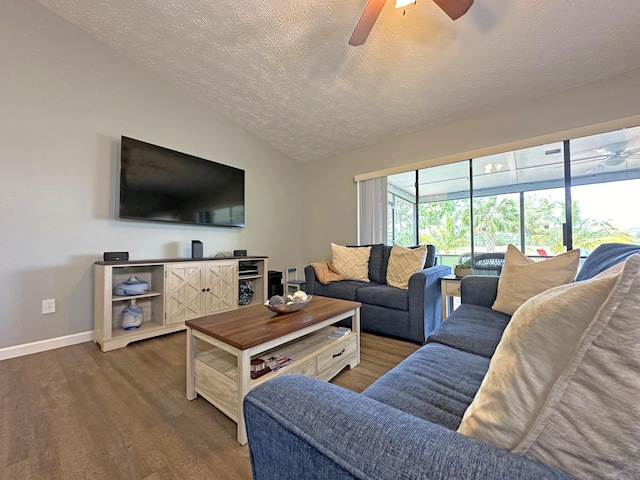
(196, 249)
(115, 256)
(275, 283)
(239, 253)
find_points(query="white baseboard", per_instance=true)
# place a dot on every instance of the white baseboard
(44, 345)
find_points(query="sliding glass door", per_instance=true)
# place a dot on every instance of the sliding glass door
(401, 209)
(605, 171)
(444, 210)
(518, 198)
(545, 199)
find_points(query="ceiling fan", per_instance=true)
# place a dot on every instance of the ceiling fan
(613, 155)
(454, 8)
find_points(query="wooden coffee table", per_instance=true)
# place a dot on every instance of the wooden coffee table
(220, 348)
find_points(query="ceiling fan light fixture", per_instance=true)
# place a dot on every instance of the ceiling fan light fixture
(614, 161)
(453, 8)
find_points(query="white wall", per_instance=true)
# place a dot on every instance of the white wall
(589, 105)
(65, 100)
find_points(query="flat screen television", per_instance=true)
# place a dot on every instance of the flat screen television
(162, 185)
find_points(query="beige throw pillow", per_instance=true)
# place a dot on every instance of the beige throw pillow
(404, 262)
(351, 262)
(522, 278)
(563, 384)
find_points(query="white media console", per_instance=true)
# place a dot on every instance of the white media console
(180, 289)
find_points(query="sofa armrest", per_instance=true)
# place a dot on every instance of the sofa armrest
(425, 301)
(479, 290)
(303, 428)
(309, 279)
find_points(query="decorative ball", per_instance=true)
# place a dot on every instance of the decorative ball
(276, 300)
(299, 297)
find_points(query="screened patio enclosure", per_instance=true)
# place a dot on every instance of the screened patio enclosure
(545, 199)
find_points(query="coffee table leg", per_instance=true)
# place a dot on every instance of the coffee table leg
(191, 372)
(244, 380)
(356, 328)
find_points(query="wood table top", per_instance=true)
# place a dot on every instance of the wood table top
(247, 327)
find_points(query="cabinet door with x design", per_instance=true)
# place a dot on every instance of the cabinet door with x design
(220, 287)
(198, 289)
(183, 285)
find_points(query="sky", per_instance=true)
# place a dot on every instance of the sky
(617, 202)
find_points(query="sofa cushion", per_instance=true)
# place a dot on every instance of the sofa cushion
(378, 260)
(522, 278)
(473, 329)
(605, 256)
(436, 383)
(563, 385)
(384, 296)
(404, 262)
(345, 289)
(431, 259)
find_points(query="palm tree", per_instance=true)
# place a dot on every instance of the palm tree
(587, 233)
(494, 215)
(445, 224)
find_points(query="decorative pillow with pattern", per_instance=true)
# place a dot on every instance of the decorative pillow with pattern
(404, 262)
(563, 384)
(522, 278)
(351, 262)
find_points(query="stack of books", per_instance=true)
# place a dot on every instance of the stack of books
(339, 332)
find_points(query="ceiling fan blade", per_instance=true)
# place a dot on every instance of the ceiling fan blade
(595, 168)
(630, 151)
(366, 22)
(454, 8)
(593, 158)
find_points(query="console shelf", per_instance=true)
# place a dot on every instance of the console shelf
(120, 298)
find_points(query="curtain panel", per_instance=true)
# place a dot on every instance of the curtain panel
(372, 211)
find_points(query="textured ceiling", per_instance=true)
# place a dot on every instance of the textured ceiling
(283, 70)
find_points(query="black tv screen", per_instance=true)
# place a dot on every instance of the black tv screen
(163, 185)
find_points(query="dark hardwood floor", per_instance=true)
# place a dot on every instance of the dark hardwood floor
(78, 413)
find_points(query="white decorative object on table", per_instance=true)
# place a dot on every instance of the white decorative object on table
(288, 303)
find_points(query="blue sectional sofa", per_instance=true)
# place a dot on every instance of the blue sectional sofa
(404, 425)
(406, 314)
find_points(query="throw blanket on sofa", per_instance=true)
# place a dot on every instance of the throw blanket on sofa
(325, 273)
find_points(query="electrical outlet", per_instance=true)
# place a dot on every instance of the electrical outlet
(49, 306)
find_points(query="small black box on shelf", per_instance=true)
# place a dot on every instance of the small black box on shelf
(239, 253)
(196, 249)
(115, 256)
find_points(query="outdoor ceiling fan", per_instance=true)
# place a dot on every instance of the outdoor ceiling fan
(613, 155)
(454, 8)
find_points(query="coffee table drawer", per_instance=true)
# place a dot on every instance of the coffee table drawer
(336, 353)
(307, 367)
